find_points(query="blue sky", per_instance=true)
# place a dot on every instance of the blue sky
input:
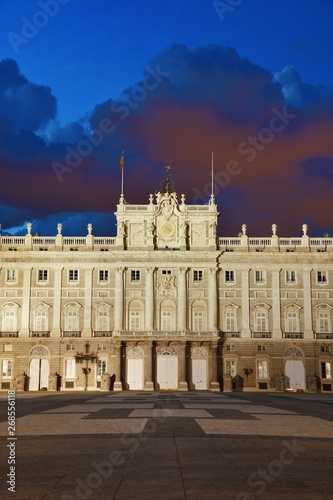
(66, 72)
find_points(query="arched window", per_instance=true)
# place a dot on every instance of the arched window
(41, 317)
(9, 317)
(323, 318)
(72, 317)
(291, 318)
(135, 315)
(199, 316)
(230, 318)
(168, 316)
(103, 317)
(261, 324)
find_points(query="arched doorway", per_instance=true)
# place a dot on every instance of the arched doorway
(167, 368)
(294, 369)
(39, 368)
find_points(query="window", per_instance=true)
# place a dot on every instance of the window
(103, 275)
(229, 276)
(72, 319)
(326, 371)
(7, 347)
(135, 275)
(101, 347)
(11, 275)
(166, 321)
(261, 348)
(231, 367)
(101, 367)
(6, 370)
(9, 317)
(321, 277)
(261, 321)
(73, 275)
(42, 275)
(70, 347)
(230, 321)
(292, 322)
(41, 320)
(198, 321)
(134, 320)
(290, 276)
(324, 325)
(70, 368)
(230, 347)
(103, 320)
(166, 271)
(262, 368)
(260, 276)
(197, 275)
(324, 348)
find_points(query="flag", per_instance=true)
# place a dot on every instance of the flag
(121, 161)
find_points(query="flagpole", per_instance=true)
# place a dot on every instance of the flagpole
(122, 174)
(212, 196)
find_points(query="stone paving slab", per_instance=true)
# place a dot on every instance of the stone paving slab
(269, 425)
(242, 408)
(168, 412)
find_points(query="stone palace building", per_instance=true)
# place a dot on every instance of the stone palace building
(166, 304)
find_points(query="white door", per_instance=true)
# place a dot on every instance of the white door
(135, 374)
(44, 373)
(39, 374)
(295, 374)
(199, 374)
(167, 372)
(34, 375)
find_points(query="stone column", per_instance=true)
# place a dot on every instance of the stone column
(150, 299)
(246, 333)
(149, 383)
(56, 329)
(117, 386)
(276, 304)
(214, 385)
(87, 303)
(25, 325)
(308, 329)
(182, 299)
(212, 294)
(119, 300)
(183, 386)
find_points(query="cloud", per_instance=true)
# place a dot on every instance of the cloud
(23, 104)
(187, 104)
(295, 91)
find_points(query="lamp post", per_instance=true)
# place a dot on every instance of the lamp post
(87, 356)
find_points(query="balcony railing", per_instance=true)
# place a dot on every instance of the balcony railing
(292, 335)
(261, 335)
(322, 336)
(230, 335)
(71, 334)
(102, 334)
(39, 334)
(9, 334)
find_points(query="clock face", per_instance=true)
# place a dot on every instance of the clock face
(167, 229)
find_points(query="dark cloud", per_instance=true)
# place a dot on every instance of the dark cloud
(187, 104)
(23, 104)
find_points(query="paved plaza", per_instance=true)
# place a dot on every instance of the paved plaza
(170, 445)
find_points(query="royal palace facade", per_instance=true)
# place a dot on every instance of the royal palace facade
(166, 304)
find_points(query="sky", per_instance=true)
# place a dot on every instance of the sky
(168, 82)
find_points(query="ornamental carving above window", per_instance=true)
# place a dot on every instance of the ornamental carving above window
(293, 352)
(166, 351)
(39, 350)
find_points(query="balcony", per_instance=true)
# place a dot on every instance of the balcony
(71, 334)
(230, 335)
(9, 334)
(39, 334)
(323, 336)
(289, 335)
(261, 335)
(102, 334)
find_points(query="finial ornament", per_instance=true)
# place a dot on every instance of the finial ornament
(29, 227)
(305, 229)
(244, 228)
(167, 185)
(274, 229)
